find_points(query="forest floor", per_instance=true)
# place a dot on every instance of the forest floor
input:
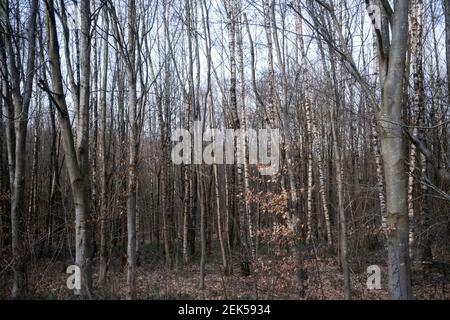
(48, 281)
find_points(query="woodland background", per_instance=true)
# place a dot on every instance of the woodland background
(91, 92)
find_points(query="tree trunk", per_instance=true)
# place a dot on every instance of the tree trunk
(416, 48)
(103, 163)
(76, 166)
(447, 41)
(133, 148)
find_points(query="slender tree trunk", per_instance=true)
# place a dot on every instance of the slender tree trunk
(309, 200)
(133, 149)
(339, 181)
(103, 164)
(231, 9)
(342, 219)
(270, 119)
(322, 190)
(82, 225)
(33, 212)
(447, 41)
(76, 170)
(376, 81)
(243, 124)
(201, 195)
(392, 148)
(416, 48)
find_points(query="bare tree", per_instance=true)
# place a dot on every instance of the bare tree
(392, 56)
(20, 99)
(76, 155)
